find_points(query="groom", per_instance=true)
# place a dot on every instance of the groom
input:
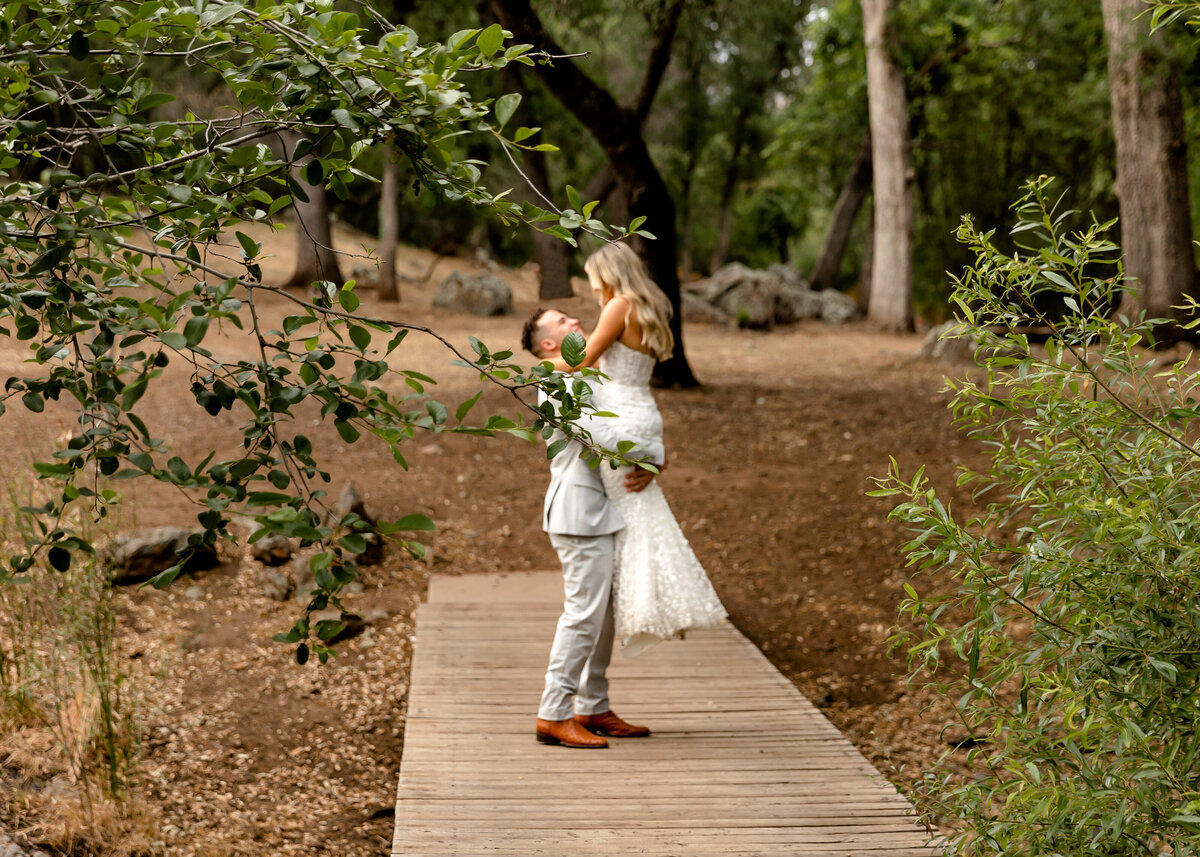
(581, 524)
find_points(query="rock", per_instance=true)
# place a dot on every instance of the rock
(485, 294)
(836, 308)
(951, 342)
(758, 299)
(302, 575)
(789, 276)
(140, 555)
(796, 304)
(351, 502)
(273, 549)
(275, 584)
(194, 593)
(699, 311)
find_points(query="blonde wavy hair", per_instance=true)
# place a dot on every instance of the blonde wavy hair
(618, 267)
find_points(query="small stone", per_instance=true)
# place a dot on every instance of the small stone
(194, 593)
(275, 585)
(485, 295)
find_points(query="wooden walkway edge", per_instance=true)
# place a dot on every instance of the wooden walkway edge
(740, 763)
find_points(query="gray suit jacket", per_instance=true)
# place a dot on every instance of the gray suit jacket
(576, 504)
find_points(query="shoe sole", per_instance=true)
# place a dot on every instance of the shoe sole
(552, 741)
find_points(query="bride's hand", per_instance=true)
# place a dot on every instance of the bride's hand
(638, 480)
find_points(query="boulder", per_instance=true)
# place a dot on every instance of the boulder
(275, 584)
(350, 501)
(757, 299)
(485, 294)
(950, 342)
(836, 307)
(699, 311)
(140, 555)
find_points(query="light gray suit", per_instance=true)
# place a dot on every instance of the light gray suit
(581, 524)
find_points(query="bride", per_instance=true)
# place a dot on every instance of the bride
(660, 588)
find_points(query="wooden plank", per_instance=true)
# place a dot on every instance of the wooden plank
(739, 762)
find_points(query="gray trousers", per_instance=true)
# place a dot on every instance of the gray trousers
(575, 679)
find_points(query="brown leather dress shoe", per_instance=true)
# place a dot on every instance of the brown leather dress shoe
(607, 723)
(568, 733)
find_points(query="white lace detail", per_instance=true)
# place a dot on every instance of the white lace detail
(660, 588)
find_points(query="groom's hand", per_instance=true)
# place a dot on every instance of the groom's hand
(638, 479)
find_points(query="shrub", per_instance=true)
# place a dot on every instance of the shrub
(1063, 623)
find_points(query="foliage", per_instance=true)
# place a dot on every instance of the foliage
(114, 272)
(1063, 622)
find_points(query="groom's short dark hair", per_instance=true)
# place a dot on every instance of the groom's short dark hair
(530, 340)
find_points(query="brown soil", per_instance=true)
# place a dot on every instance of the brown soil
(247, 753)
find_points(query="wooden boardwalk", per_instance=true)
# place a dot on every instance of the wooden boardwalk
(740, 763)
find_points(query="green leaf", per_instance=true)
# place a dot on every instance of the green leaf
(360, 336)
(574, 348)
(348, 432)
(78, 46)
(466, 406)
(59, 558)
(250, 247)
(506, 105)
(490, 40)
(413, 522)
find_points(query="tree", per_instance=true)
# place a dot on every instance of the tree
(389, 225)
(849, 201)
(1152, 175)
(316, 259)
(618, 130)
(890, 304)
(114, 273)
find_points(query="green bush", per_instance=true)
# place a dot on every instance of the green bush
(1063, 622)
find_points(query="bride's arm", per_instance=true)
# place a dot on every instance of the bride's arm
(608, 330)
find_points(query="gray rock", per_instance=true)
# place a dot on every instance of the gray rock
(485, 294)
(194, 593)
(140, 555)
(757, 299)
(302, 575)
(273, 549)
(836, 307)
(951, 342)
(789, 276)
(275, 584)
(797, 304)
(349, 502)
(699, 311)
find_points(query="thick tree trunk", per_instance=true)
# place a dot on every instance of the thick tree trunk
(389, 226)
(890, 304)
(850, 200)
(315, 257)
(1152, 182)
(619, 133)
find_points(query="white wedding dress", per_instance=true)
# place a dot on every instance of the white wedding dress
(660, 589)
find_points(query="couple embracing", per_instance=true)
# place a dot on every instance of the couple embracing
(628, 570)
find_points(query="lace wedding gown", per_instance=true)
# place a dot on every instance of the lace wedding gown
(660, 589)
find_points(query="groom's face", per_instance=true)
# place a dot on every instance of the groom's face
(554, 327)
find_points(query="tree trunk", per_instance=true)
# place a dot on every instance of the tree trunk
(867, 271)
(315, 257)
(890, 304)
(618, 131)
(389, 226)
(1152, 181)
(850, 200)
